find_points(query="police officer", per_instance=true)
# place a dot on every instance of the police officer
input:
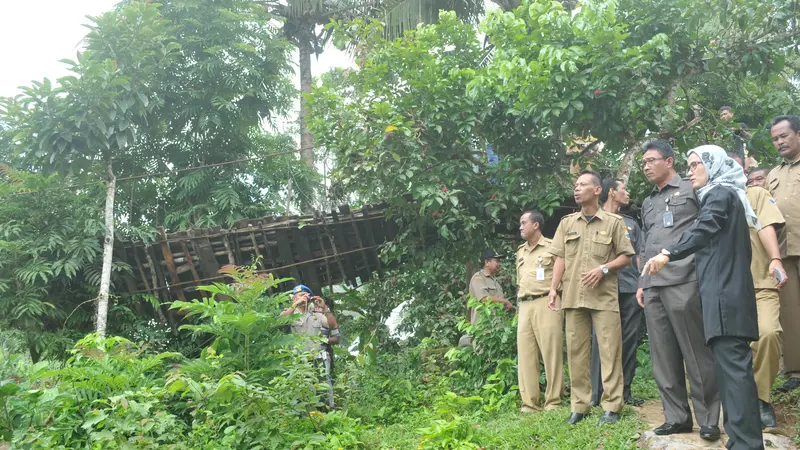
(613, 197)
(784, 184)
(671, 302)
(484, 286)
(539, 329)
(590, 247)
(766, 259)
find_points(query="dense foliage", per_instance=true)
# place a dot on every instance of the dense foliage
(164, 95)
(253, 386)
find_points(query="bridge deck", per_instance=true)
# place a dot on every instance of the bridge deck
(319, 250)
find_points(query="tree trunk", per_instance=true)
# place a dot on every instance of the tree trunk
(108, 254)
(306, 83)
(633, 146)
(289, 195)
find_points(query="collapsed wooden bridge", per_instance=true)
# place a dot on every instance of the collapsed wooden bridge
(317, 250)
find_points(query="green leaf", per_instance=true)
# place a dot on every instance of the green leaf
(143, 98)
(122, 140)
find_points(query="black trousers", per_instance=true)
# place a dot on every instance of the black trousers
(632, 321)
(737, 387)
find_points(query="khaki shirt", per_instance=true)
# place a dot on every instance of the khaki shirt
(529, 260)
(310, 324)
(586, 245)
(768, 214)
(783, 183)
(481, 286)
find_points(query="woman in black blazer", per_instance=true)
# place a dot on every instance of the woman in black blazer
(721, 244)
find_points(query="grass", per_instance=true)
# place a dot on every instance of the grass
(512, 430)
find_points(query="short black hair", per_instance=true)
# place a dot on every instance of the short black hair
(535, 216)
(598, 180)
(725, 108)
(608, 185)
(794, 122)
(759, 169)
(662, 147)
(735, 155)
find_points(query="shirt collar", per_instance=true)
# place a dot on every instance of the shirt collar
(483, 272)
(788, 163)
(674, 182)
(599, 215)
(540, 242)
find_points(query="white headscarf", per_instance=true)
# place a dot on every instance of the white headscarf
(724, 171)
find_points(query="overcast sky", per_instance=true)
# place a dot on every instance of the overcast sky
(36, 34)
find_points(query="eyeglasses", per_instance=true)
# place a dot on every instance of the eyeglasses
(693, 165)
(649, 162)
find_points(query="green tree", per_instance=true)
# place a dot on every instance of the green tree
(83, 124)
(403, 129)
(302, 26)
(629, 71)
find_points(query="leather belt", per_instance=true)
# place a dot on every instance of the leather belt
(532, 297)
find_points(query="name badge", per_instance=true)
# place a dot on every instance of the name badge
(668, 219)
(540, 274)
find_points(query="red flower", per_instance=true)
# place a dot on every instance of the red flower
(444, 189)
(597, 92)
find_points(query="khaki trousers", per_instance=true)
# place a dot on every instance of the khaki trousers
(540, 331)
(767, 349)
(790, 317)
(579, 351)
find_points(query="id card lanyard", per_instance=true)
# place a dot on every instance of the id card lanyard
(540, 271)
(668, 220)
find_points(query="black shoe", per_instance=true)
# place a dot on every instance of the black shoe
(574, 418)
(768, 419)
(673, 428)
(709, 433)
(634, 401)
(609, 417)
(790, 385)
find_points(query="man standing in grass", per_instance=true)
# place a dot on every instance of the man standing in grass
(766, 259)
(613, 197)
(590, 247)
(783, 183)
(539, 330)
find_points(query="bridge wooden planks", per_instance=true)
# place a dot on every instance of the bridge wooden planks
(320, 250)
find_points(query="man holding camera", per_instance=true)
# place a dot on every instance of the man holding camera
(315, 320)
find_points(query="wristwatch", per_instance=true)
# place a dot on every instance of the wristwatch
(665, 252)
(604, 268)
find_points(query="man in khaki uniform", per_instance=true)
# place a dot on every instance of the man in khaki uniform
(784, 185)
(539, 330)
(766, 258)
(591, 247)
(315, 318)
(484, 286)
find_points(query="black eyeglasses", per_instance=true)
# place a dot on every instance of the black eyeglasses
(693, 165)
(650, 162)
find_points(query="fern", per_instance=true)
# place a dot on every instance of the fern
(34, 269)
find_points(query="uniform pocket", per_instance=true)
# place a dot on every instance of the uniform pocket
(601, 246)
(571, 245)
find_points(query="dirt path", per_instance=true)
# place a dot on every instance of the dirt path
(775, 438)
